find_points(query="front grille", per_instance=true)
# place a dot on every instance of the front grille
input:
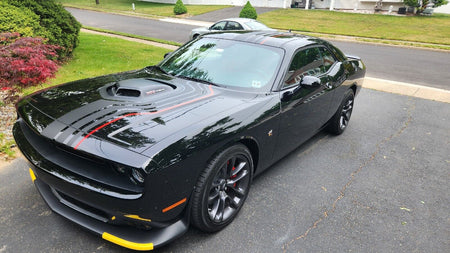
(96, 213)
(75, 164)
(84, 156)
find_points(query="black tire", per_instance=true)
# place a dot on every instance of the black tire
(339, 122)
(222, 188)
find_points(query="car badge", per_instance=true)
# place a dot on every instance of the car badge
(153, 91)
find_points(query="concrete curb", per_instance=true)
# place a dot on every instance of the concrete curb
(407, 89)
(147, 42)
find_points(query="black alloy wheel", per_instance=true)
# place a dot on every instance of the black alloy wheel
(222, 189)
(346, 113)
(339, 122)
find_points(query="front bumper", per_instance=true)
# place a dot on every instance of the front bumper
(118, 213)
(125, 236)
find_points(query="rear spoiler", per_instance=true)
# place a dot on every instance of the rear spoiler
(353, 57)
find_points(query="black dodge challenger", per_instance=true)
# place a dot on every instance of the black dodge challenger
(136, 157)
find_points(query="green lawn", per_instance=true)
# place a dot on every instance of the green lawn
(148, 8)
(433, 29)
(99, 55)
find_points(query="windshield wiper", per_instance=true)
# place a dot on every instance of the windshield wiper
(198, 80)
(160, 69)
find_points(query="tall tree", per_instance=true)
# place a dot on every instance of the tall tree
(421, 5)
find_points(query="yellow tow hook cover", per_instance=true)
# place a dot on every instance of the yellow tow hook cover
(136, 217)
(127, 244)
(33, 177)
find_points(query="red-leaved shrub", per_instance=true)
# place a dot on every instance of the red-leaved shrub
(25, 61)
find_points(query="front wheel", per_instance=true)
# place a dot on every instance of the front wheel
(222, 189)
(339, 122)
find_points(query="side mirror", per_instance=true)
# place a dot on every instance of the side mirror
(167, 54)
(310, 81)
(305, 82)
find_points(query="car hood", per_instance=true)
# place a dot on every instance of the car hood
(133, 110)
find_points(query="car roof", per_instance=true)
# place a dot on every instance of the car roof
(242, 20)
(275, 38)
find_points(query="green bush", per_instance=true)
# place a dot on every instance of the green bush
(248, 11)
(20, 20)
(62, 27)
(179, 8)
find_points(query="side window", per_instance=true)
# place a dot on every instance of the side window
(218, 26)
(337, 53)
(328, 59)
(233, 26)
(307, 62)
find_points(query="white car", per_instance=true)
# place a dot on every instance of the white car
(230, 24)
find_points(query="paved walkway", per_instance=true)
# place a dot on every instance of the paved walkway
(407, 89)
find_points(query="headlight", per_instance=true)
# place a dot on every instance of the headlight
(137, 176)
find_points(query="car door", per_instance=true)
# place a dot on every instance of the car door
(305, 95)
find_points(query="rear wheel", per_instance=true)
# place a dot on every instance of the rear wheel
(222, 189)
(339, 122)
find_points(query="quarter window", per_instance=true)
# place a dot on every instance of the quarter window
(328, 59)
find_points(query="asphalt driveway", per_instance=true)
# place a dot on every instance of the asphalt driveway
(382, 186)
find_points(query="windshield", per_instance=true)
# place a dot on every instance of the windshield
(225, 63)
(255, 25)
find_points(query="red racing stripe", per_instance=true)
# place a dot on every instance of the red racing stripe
(144, 113)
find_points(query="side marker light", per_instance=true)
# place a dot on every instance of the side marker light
(174, 205)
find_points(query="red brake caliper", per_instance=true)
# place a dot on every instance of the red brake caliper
(234, 185)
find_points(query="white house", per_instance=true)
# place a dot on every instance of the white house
(317, 4)
(443, 9)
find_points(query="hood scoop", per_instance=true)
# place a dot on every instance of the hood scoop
(137, 89)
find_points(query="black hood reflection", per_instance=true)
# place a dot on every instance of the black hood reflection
(80, 112)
